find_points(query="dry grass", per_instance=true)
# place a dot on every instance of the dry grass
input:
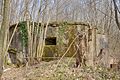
(64, 71)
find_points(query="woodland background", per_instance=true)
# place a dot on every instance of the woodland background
(103, 14)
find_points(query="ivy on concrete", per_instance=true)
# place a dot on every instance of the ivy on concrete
(23, 33)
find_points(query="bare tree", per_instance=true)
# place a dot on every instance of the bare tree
(116, 14)
(3, 33)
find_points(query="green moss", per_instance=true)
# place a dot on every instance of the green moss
(49, 52)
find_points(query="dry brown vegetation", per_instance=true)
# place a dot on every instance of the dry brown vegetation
(64, 71)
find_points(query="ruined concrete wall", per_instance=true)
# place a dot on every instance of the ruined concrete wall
(16, 41)
(16, 44)
(102, 49)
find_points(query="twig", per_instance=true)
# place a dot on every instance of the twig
(66, 51)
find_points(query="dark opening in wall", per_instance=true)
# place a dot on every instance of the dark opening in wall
(50, 41)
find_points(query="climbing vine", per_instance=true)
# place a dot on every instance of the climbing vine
(63, 27)
(62, 31)
(62, 35)
(23, 33)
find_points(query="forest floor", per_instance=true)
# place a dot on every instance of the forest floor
(64, 71)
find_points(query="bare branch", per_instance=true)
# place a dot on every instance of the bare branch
(116, 14)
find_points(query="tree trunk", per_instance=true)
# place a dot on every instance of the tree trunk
(116, 14)
(3, 33)
(94, 44)
(92, 47)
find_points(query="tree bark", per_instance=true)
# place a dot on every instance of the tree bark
(116, 14)
(3, 33)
